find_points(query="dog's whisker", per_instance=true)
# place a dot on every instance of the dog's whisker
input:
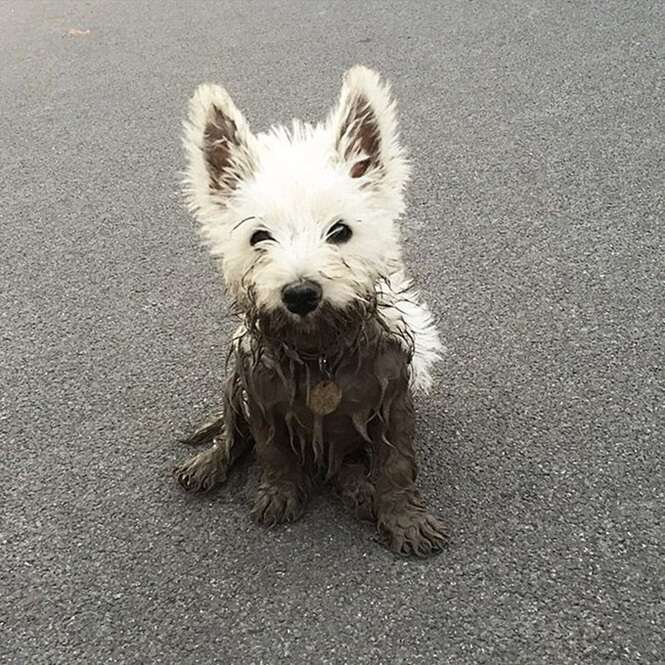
(242, 221)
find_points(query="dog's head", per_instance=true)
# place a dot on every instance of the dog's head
(302, 220)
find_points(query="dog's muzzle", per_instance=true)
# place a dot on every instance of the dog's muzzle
(302, 297)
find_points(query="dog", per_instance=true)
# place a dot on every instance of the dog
(333, 341)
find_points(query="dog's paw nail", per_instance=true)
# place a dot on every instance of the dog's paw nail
(414, 534)
(274, 505)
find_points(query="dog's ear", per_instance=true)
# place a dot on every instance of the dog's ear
(365, 129)
(219, 146)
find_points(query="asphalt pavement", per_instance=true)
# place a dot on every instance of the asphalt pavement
(535, 228)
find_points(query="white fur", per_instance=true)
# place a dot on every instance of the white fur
(295, 183)
(406, 312)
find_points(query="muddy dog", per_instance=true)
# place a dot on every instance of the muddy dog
(334, 341)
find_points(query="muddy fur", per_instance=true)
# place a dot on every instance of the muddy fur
(365, 449)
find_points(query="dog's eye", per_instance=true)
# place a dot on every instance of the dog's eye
(339, 233)
(259, 236)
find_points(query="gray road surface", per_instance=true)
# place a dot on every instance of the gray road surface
(535, 226)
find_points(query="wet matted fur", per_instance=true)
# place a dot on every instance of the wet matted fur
(315, 206)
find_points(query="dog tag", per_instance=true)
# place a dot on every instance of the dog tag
(324, 398)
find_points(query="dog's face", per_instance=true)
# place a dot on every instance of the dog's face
(302, 220)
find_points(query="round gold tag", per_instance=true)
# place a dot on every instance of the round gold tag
(325, 397)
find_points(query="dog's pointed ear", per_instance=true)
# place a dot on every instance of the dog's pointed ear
(364, 125)
(219, 145)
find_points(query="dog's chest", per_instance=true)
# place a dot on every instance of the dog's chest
(279, 393)
(357, 383)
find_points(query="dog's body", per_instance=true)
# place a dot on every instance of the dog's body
(333, 340)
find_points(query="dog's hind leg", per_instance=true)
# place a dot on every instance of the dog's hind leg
(353, 486)
(230, 437)
(207, 431)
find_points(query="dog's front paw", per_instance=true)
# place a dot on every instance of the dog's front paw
(277, 503)
(203, 472)
(412, 532)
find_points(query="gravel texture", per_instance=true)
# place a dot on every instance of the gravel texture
(536, 229)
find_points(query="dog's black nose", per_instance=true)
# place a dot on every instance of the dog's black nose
(302, 297)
